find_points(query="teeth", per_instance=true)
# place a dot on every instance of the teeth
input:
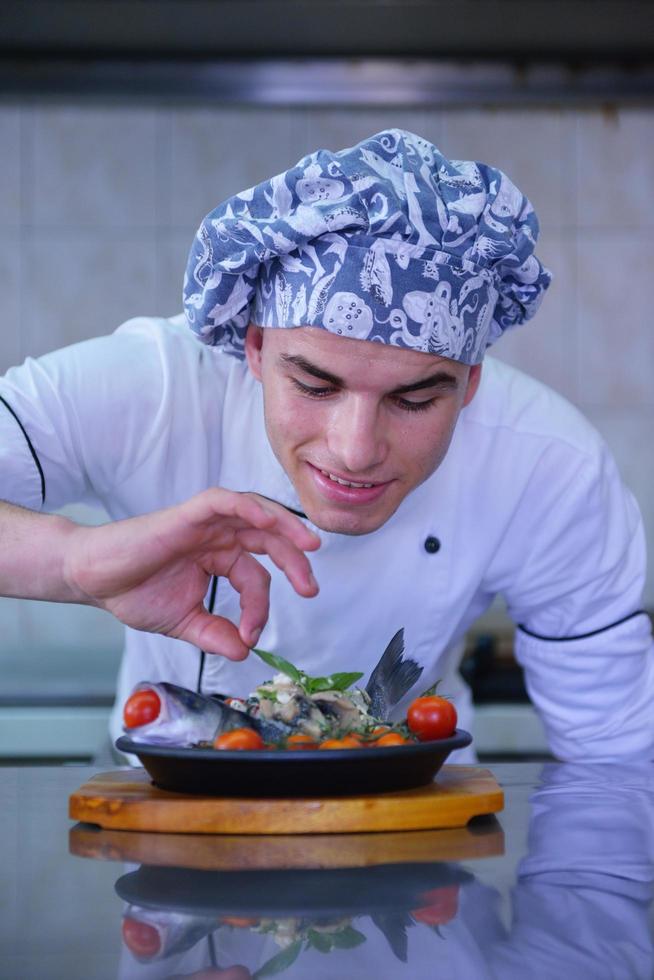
(345, 483)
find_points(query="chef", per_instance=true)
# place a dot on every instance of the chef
(328, 455)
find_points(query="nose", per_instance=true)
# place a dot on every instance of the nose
(356, 438)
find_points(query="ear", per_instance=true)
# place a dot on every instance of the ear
(253, 348)
(474, 377)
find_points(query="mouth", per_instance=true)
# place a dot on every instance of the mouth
(338, 489)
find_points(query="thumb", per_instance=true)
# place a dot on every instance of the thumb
(213, 634)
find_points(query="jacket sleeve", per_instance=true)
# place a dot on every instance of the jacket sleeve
(78, 421)
(595, 693)
(583, 640)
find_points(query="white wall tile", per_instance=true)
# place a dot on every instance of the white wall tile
(615, 171)
(10, 165)
(172, 254)
(547, 346)
(338, 128)
(9, 299)
(67, 625)
(218, 152)
(78, 285)
(94, 166)
(10, 624)
(535, 148)
(616, 319)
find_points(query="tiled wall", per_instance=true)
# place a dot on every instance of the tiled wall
(99, 203)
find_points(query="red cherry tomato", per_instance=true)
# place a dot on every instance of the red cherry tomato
(431, 717)
(299, 742)
(239, 921)
(347, 742)
(141, 708)
(390, 738)
(443, 906)
(239, 738)
(141, 938)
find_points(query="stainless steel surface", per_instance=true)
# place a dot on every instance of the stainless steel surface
(342, 82)
(573, 891)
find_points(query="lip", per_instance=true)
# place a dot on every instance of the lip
(337, 493)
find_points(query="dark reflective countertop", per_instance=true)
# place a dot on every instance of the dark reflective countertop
(560, 884)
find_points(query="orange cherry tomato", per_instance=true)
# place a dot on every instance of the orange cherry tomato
(141, 938)
(380, 730)
(141, 708)
(346, 742)
(443, 906)
(301, 742)
(239, 738)
(431, 717)
(238, 921)
(391, 738)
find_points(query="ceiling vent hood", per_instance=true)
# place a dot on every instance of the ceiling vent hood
(302, 50)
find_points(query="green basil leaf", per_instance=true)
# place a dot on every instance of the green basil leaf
(348, 938)
(321, 941)
(279, 664)
(340, 682)
(335, 682)
(279, 962)
(313, 684)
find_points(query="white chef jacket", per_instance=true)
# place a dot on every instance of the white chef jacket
(527, 504)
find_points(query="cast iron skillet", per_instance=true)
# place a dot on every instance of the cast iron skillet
(337, 772)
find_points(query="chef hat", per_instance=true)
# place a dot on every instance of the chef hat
(386, 241)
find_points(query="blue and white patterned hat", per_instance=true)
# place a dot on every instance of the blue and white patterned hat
(386, 241)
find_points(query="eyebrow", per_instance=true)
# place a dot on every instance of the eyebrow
(440, 379)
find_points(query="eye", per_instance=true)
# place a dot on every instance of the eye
(310, 390)
(409, 406)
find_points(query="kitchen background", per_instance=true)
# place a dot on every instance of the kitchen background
(100, 196)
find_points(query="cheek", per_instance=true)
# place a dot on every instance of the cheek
(289, 423)
(424, 443)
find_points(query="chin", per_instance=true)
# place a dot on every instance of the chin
(345, 522)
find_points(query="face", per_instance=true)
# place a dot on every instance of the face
(356, 425)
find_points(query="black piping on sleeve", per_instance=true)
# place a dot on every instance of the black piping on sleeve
(581, 636)
(29, 443)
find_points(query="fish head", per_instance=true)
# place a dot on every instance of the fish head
(180, 717)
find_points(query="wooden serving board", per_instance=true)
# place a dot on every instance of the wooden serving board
(229, 852)
(127, 800)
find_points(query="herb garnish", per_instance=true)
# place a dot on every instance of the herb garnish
(312, 685)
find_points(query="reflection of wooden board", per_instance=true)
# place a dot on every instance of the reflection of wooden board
(227, 852)
(127, 800)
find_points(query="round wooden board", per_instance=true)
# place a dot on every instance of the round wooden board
(127, 800)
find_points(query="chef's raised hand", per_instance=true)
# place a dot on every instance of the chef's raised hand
(152, 572)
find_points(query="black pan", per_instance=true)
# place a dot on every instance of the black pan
(342, 891)
(337, 772)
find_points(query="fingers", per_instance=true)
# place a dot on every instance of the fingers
(289, 559)
(214, 634)
(252, 581)
(252, 510)
(233, 525)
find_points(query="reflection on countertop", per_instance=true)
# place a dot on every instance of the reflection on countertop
(561, 883)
